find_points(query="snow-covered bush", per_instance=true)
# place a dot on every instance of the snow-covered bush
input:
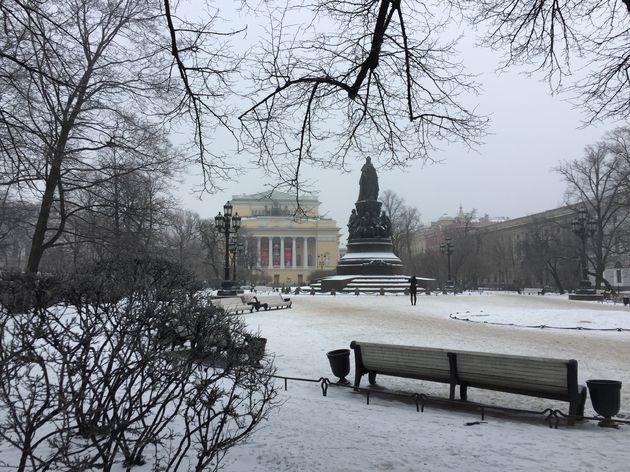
(91, 382)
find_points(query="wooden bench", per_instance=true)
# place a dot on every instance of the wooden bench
(533, 291)
(555, 379)
(267, 302)
(232, 305)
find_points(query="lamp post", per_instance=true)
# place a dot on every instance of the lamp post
(584, 227)
(447, 248)
(235, 249)
(227, 224)
(321, 260)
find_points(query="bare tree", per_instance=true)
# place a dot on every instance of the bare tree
(405, 221)
(80, 76)
(121, 212)
(548, 255)
(357, 78)
(15, 228)
(213, 244)
(594, 182)
(619, 144)
(552, 35)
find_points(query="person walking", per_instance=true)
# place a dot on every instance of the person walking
(413, 289)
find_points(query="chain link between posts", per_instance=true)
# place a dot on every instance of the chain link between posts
(576, 328)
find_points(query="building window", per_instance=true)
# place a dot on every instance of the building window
(618, 276)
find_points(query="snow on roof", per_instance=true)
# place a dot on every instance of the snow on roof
(370, 255)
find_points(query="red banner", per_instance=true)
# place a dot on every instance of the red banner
(288, 256)
(264, 256)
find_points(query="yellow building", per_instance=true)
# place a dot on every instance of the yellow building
(288, 245)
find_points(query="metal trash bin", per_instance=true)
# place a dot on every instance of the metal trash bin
(339, 360)
(606, 399)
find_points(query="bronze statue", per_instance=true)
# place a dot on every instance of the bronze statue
(353, 223)
(386, 225)
(368, 183)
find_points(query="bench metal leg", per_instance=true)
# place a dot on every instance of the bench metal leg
(463, 392)
(357, 379)
(580, 407)
(576, 406)
(372, 378)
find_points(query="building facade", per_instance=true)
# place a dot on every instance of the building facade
(532, 251)
(286, 242)
(536, 250)
(429, 238)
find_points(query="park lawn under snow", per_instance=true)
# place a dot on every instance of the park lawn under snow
(310, 432)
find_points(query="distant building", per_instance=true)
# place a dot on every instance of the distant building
(531, 251)
(618, 273)
(518, 251)
(285, 242)
(429, 238)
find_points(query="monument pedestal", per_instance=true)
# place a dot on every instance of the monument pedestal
(229, 288)
(586, 295)
(586, 292)
(370, 256)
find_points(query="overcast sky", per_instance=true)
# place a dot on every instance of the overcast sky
(510, 175)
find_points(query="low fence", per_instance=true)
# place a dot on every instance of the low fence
(421, 400)
(541, 326)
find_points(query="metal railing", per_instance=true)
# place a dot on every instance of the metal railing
(421, 400)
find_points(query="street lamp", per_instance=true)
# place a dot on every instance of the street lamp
(321, 259)
(235, 249)
(447, 248)
(584, 227)
(227, 224)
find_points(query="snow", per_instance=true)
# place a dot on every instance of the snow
(340, 277)
(310, 432)
(370, 255)
(341, 432)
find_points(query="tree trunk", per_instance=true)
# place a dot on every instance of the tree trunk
(37, 243)
(74, 106)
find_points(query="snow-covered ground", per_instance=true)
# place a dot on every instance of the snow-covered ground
(340, 432)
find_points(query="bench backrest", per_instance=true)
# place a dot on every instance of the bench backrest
(520, 373)
(554, 378)
(228, 301)
(277, 298)
(405, 361)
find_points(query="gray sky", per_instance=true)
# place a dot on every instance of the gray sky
(510, 175)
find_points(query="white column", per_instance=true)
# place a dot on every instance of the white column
(305, 252)
(282, 252)
(270, 258)
(293, 251)
(258, 254)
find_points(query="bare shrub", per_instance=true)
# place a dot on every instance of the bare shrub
(95, 381)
